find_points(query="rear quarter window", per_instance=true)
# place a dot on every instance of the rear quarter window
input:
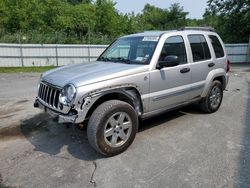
(218, 50)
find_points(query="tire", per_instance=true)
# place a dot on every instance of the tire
(120, 122)
(212, 101)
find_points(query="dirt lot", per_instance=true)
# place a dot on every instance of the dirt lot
(184, 148)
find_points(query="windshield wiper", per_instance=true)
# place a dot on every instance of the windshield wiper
(121, 59)
(103, 59)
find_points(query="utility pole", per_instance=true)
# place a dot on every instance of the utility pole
(21, 48)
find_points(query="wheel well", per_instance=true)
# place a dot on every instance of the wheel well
(221, 79)
(128, 95)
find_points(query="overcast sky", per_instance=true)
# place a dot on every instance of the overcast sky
(195, 8)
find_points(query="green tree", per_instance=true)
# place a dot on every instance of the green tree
(132, 23)
(231, 18)
(163, 19)
(19, 15)
(74, 2)
(153, 17)
(196, 22)
(176, 17)
(76, 20)
(107, 18)
(88, 21)
(26, 15)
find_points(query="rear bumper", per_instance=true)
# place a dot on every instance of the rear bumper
(60, 118)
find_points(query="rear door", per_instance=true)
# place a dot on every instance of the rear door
(201, 62)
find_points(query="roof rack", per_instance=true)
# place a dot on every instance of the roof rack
(197, 28)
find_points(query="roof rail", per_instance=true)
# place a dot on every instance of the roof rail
(197, 28)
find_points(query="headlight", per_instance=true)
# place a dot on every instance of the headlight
(68, 94)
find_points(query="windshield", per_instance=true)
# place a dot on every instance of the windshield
(131, 50)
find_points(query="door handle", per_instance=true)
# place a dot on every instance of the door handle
(211, 64)
(185, 70)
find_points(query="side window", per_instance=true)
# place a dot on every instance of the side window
(199, 47)
(174, 46)
(218, 50)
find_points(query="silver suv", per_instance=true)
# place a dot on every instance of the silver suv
(136, 77)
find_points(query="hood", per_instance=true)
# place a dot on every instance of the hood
(88, 73)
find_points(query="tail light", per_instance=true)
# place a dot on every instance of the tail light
(228, 66)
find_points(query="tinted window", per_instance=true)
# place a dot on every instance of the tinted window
(218, 50)
(199, 47)
(174, 46)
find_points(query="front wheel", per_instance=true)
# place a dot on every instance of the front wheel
(112, 127)
(212, 101)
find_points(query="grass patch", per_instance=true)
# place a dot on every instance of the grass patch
(24, 69)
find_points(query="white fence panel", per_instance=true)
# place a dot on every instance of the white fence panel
(14, 55)
(238, 53)
(10, 62)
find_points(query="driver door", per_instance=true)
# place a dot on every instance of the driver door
(170, 86)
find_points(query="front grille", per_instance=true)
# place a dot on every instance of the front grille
(49, 95)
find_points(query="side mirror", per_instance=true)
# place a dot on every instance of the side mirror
(169, 61)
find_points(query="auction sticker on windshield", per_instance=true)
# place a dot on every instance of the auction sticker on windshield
(150, 39)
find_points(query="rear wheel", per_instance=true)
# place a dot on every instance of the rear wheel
(212, 101)
(112, 127)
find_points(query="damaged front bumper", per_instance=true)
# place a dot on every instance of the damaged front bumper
(59, 117)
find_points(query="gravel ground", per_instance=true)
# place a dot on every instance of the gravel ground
(184, 148)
